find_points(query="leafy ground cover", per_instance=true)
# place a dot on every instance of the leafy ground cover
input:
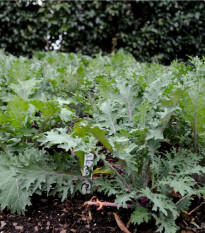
(143, 123)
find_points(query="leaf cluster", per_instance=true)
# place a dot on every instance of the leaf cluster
(144, 122)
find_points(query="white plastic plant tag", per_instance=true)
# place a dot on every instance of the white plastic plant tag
(88, 161)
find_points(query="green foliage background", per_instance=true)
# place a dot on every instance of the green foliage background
(151, 31)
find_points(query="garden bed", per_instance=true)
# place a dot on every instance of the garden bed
(129, 133)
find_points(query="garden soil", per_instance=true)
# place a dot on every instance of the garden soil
(49, 214)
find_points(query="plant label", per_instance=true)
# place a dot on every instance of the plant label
(88, 161)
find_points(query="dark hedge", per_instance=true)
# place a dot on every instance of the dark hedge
(151, 31)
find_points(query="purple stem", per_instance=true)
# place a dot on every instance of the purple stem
(119, 168)
(147, 175)
(99, 203)
(118, 174)
(143, 201)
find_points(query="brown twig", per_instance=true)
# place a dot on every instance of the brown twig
(120, 224)
(196, 208)
(128, 223)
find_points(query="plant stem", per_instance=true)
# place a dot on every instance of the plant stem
(170, 116)
(45, 122)
(42, 127)
(118, 174)
(2, 146)
(194, 129)
(140, 166)
(119, 168)
(168, 120)
(183, 198)
(147, 175)
(101, 204)
(153, 179)
(68, 175)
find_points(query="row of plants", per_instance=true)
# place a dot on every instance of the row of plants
(143, 123)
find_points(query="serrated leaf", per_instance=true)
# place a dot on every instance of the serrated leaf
(155, 90)
(182, 185)
(128, 96)
(155, 133)
(47, 108)
(195, 170)
(24, 89)
(61, 138)
(106, 186)
(66, 114)
(31, 172)
(166, 224)
(184, 204)
(160, 202)
(193, 105)
(11, 193)
(82, 129)
(19, 70)
(200, 191)
(16, 115)
(167, 111)
(143, 115)
(141, 215)
(109, 115)
(123, 199)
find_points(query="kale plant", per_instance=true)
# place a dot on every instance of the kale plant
(147, 117)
